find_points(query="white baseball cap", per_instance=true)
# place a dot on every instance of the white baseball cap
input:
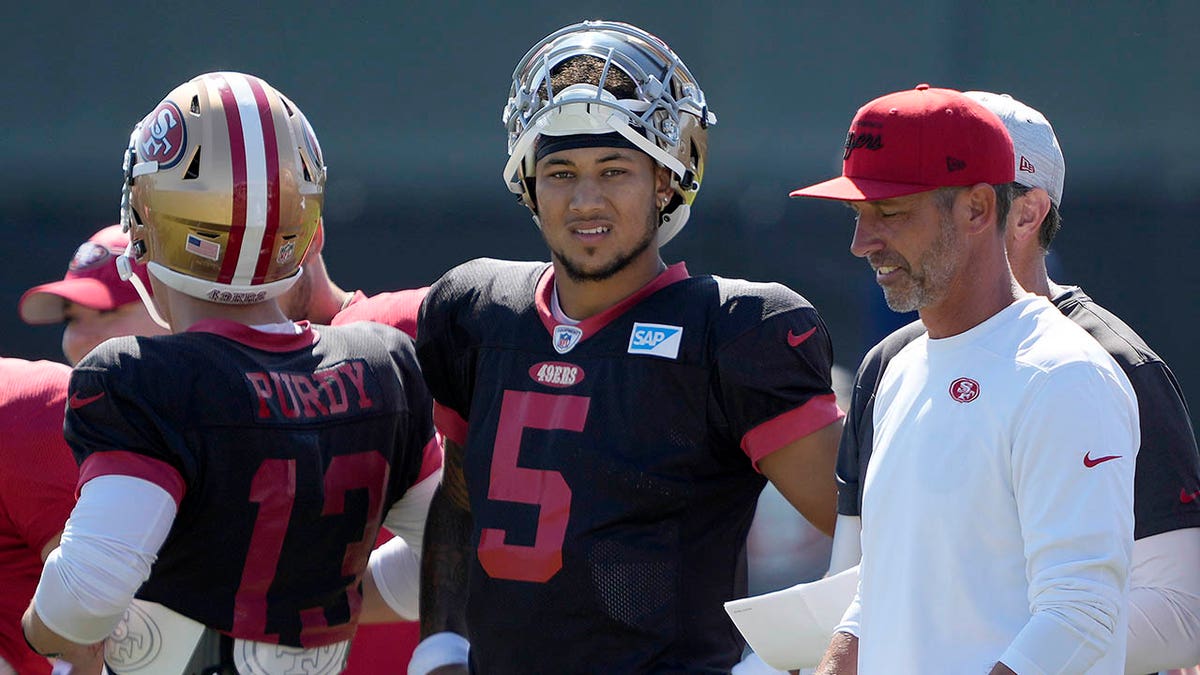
(1038, 161)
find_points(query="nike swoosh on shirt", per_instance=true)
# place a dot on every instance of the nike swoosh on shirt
(1089, 462)
(797, 340)
(76, 401)
(1186, 497)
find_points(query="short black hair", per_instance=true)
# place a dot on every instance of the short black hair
(587, 69)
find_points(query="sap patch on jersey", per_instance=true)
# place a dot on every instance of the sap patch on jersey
(655, 339)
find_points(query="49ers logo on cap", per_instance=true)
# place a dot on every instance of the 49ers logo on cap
(964, 390)
(163, 137)
(89, 254)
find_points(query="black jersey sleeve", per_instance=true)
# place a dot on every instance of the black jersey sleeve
(772, 368)
(856, 436)
(420, 458)
(444, 340)
(1167, 481)
(1166, 489)
(854, 450)
(111, 426)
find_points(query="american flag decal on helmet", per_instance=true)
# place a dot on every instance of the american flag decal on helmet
(202, 247)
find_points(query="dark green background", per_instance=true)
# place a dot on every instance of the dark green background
(406, 99)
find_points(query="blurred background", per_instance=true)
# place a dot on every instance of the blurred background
(406, 99)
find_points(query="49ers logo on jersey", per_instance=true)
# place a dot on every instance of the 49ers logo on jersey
(556, 374)
(163, 137)
(964, 390)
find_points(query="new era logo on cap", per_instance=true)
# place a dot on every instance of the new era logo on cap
(920, 139)
(1040, 159)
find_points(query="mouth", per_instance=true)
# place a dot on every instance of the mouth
(599, 229)
(886, 271)
(591, 232)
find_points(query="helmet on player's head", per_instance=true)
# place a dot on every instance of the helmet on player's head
(224, 183)
(667, 118)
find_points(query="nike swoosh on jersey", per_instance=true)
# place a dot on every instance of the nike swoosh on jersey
(1186, 497)
(797, 340)
(76, 401)
(1089, 462)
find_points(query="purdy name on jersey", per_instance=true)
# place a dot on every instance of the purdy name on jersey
(303, 396)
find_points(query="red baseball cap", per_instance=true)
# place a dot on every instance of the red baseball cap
(915, 141)
(92, 281)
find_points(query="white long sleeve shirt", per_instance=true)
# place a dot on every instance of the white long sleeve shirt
(998, 504)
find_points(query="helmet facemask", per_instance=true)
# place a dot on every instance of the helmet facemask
(667, 120)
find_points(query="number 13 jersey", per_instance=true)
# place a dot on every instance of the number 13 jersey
(283, 454)
(611, 464)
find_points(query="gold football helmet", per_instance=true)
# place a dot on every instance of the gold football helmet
(224, 183)
(668, 120)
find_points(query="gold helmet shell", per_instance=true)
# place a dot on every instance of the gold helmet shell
(224, 184)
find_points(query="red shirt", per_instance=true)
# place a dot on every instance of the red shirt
(37, 491)
(384, 648)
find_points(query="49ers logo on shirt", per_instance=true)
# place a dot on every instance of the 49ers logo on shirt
(556, 374)
(163, 136)
(964, 390)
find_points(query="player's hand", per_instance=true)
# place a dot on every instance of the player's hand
(81, 660)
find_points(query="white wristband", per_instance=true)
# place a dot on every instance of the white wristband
(437, 650)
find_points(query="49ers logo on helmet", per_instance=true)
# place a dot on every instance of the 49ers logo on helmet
(163, 137)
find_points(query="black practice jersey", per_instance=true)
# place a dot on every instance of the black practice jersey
(283, 453)
(1167, 480)
(610, 465)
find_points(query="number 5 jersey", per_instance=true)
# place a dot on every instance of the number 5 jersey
(611, 464)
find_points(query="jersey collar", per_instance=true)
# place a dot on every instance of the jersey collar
(268, 342)
(591, 325)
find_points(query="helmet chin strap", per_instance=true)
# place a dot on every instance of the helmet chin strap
(125, 271)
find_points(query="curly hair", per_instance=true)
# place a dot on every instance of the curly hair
(587, 69)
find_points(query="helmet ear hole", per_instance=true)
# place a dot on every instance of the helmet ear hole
(193, 170)
(304, 167)
(194, 108)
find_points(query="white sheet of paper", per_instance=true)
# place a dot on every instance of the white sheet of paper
(790, 629)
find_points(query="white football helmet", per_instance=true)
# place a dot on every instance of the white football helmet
(668, 120)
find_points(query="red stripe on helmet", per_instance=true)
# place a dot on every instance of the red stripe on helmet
(237, 156)
(271, 149)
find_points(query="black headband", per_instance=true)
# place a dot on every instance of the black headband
(546, 145)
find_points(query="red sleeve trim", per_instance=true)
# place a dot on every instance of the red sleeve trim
(817, 413)
(121, 463)
(450, 423)
(432, 460)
